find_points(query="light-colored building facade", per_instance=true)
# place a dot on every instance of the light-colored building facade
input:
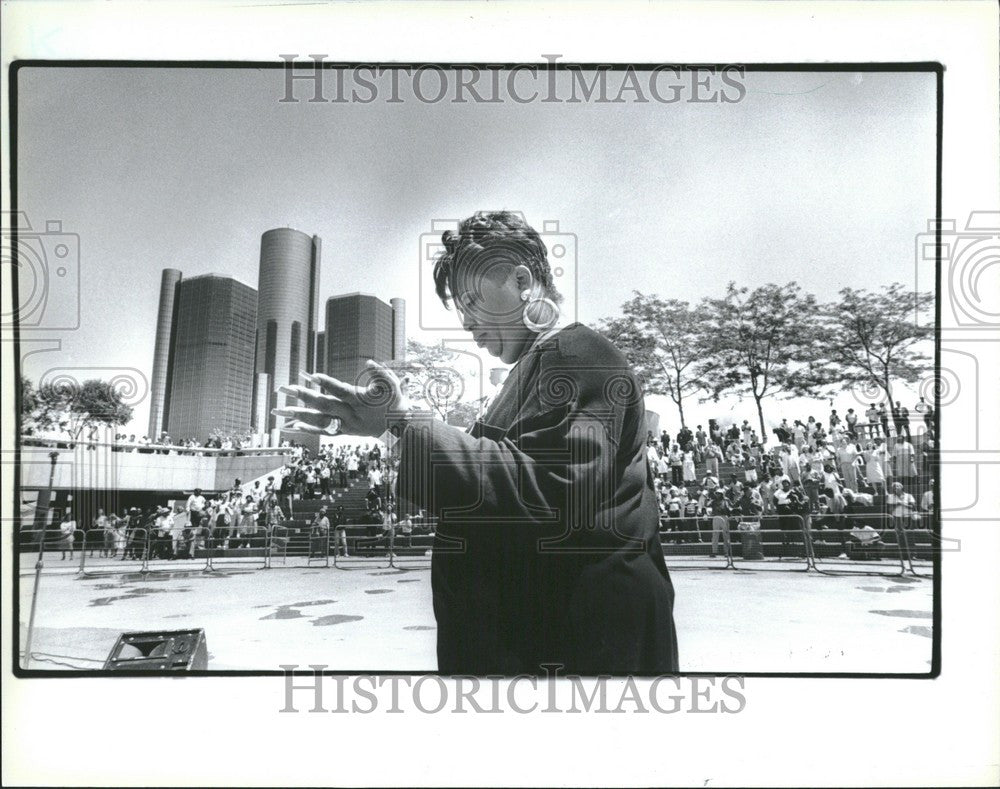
(287, 300)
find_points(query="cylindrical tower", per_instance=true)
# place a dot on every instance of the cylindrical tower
(159, 406)
(398, 328)
(286, 313)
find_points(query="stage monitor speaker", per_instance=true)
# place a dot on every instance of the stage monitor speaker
(159, 650)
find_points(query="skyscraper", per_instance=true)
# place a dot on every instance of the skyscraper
(360, 327)
(210, 366)
(159, 394)
(286, 317)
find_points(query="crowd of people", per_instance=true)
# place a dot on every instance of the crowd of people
(242, 516)
(812, 476)
(165, 445)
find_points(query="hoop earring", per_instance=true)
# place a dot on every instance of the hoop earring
(538, 328)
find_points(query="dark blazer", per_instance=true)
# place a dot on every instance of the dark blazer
(547, 548)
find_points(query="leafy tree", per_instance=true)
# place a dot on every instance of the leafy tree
(433, 377)
(871, 338)
(73, 407)
(761, 343)
(664, 341)
(29, 404)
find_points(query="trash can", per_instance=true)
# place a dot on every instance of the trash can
(750, 537)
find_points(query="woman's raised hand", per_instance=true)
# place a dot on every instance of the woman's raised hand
(340, 407)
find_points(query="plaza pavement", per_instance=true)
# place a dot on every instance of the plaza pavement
(366, 616)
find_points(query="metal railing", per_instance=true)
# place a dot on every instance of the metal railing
(792, 542)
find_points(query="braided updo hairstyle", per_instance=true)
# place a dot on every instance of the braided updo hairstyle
(490, 235)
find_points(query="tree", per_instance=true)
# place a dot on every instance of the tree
(869, 338)
(72, 407)
(762, 343)
(29, 405)
(433, 377)
(663, 340)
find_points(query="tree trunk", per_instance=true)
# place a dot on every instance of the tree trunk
(680, 411)
(760, 416)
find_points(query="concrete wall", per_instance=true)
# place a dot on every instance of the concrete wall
(102, 469)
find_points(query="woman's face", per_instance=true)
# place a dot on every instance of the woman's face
(488, 299)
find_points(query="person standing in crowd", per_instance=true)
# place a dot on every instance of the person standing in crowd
(110, 535)
(286, 490)
(701, 443)
(765, 492)
(325, 491)
(834, 419)
(195, 508)
(798, 435)
(927, 500)
(904, 466)
(67, 535)
(846, 456)
(676, 465)
(713, 456)
(831, 481)
(389, 528)
(310, 482)
(926, 410)
(248, 521)
(685, 438)
(883, 418)
(175, 527)
(661, 467)
(812, 480)
(690, 475)
(901, 414)
(901, 507)
(876, 465)
(786, 505)
(339, 531)
(235, 516)
(320, 535)
(871, 415)
(720, 522)
(897, 419)
(851, 420)
(664, 441)
(375, 478)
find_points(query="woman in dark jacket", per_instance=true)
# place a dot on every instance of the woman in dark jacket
(547, 548)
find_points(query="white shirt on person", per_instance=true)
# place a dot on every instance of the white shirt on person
(195, 503)
(902, 505)
(875, 466)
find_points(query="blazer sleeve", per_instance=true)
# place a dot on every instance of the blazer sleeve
(558, 463)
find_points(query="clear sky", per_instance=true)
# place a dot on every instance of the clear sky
(821, 178)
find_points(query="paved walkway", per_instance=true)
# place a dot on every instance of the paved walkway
(369, 617)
